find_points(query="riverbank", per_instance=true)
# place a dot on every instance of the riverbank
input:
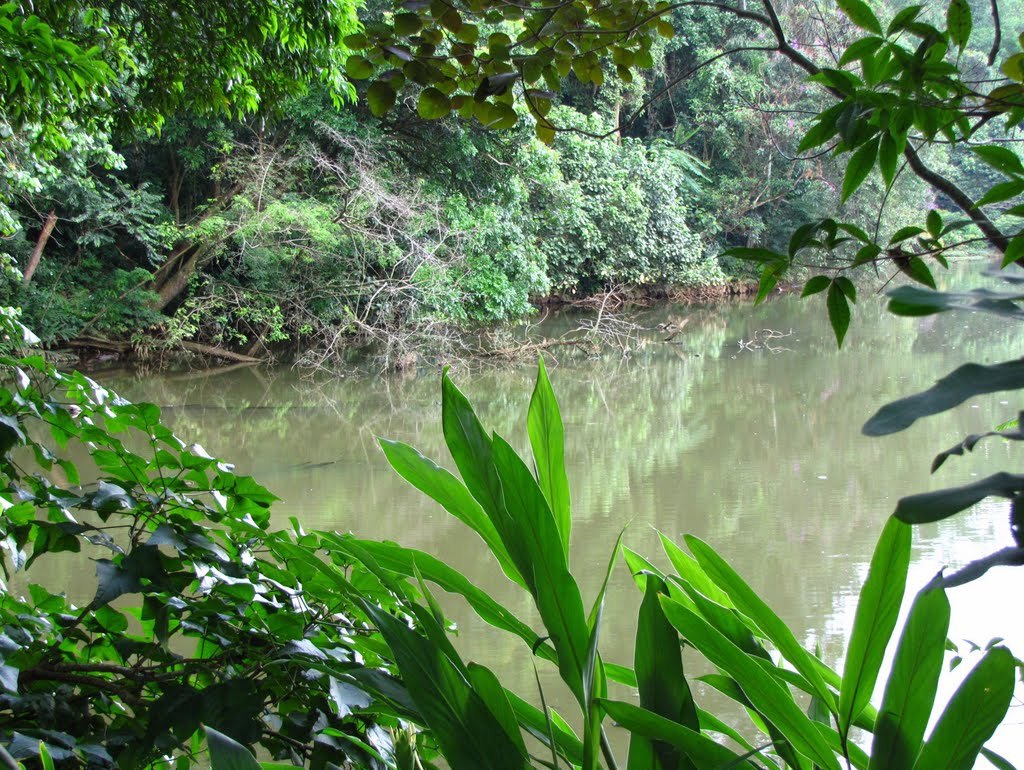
(420, 343)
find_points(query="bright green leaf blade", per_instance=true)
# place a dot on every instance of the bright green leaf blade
(965, 382)
(861, 15)
(470, 447)
(556, 592)
(913, 681)
(445, 489)
(402, 560)
(469, 734)
(877, 611)
(533, 720)
(973, 713)
(749, 603)
(547, 439)
(769, 697)
(691, 571)
(958, 23)
(702, 750)
(858, 168)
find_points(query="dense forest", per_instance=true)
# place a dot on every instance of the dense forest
(296, 221)
(303, 177)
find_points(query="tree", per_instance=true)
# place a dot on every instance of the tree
(895, 91)
(83, 65)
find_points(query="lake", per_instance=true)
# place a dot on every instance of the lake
(748, 439)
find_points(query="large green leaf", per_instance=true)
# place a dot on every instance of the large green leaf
(965, 382)
(688, 569)
(753, 606)
(703, 751)
(471, 737)
(495, 696)
(877, 612)
(935, 506)
(973, 713)
(727, 621)
(555, 590)
(958, 23)
(860, 163)
(658, 664)
(452, 495)
(547, 438)
(405, 561)
(861, 15)
(534, 721)
(769, 697)
(470, 447)
(910, 690)
(228, 754)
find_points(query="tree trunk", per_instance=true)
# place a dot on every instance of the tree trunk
(177, 281)
(37, 252)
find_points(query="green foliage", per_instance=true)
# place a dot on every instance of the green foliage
(618, 213)
(200, 614)
(734, 631)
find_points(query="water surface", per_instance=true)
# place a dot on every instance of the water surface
(756, 451)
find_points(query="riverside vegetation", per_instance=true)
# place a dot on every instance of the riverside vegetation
(208, 630)
(150, 205)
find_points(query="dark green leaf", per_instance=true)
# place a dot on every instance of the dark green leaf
(905, 232)
(877, 611)
(903, 18)
(1014, 250)
(658, 663)
(888, 154)
(228, 754)
(433, 104)
(556, 593)
(915, 268)
(469, 734)
(943, 503)
(380, 97)
(358, 67)
(816, 284)
(838, 312)
(965, 382)
(1002, 192)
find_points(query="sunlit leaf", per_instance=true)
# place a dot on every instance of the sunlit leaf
(913, 681)
(877, 611)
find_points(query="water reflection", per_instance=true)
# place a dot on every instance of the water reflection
(758, 453)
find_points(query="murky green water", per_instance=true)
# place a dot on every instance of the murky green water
(757, 452)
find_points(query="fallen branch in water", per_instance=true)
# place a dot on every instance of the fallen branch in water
(213, 352)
